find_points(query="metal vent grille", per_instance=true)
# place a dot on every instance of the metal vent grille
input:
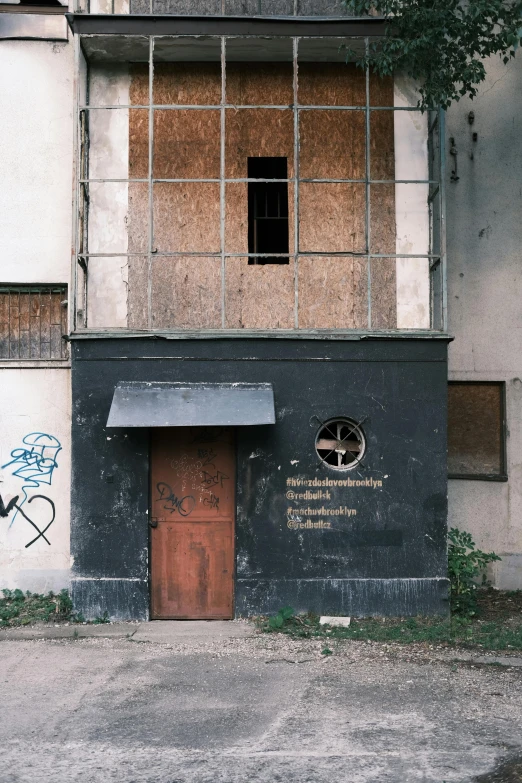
(33, 320)
(340, 444)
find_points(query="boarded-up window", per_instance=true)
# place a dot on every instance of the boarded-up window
(476, 430)
(33, 321)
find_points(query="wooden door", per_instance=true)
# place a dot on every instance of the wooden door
(192, 523)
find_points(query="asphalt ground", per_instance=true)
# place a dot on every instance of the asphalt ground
(236, 708)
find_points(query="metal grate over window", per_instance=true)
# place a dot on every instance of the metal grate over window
(33, 321)
(340, 444)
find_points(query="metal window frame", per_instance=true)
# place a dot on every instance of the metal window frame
(503, 475)
(436, 261)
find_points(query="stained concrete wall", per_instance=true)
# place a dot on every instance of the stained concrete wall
(36, 139)
(411, 208)
(484, 295)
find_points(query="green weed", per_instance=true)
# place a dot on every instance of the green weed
(18, 608)
(466, 564)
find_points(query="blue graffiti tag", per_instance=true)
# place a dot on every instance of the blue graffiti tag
(34, 464)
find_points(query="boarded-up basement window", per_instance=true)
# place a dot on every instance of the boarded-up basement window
(476, 430)
(33, 320)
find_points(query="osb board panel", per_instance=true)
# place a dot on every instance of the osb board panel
(138, 143)
(186, 217)
(382, 219)
(137, 296)
(322, 8)
(187, 84)
(260, 83)
(139, 84)
(332, 144)
(332, 217)
(138, 218)
(473, 408)
(259, 296)
(186, 144)
(333, 293)
(236, 217)
(384, 293)
(186, 293)
(182, 7)
(261, 7)
(381, 90)
(257, 133)
(382, 146)
(331, 84)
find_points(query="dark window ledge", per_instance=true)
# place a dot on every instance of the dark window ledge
(160, 24)
(224, 334)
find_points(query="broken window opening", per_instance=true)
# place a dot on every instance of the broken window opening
(268, 210)
(340, 444)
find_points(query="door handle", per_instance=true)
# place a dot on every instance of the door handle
(153, 523)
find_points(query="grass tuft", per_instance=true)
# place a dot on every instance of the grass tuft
(18, 608)
(500, 633)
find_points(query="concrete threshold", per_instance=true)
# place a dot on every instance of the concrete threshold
(165, 631)
(159, 631)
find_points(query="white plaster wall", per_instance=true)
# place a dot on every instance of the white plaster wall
(36, 143)
(484, 211)
(411, 209)
(35, 401)
(36, 165)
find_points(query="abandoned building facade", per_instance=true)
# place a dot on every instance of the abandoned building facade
(226, 277)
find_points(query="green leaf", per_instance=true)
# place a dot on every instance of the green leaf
(276, 621)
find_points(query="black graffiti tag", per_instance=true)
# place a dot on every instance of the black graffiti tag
(207, 457)
(184, 506)
(214, 479)
(212, 502)
(5, 511)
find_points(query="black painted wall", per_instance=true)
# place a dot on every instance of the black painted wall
(387, 558)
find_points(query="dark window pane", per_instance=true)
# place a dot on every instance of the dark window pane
(475, 429)
(268, 210)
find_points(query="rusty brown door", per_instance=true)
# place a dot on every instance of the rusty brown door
(192, 523)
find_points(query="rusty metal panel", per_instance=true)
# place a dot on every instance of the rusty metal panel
(192, 523)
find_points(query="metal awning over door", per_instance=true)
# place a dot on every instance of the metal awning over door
(154, 404)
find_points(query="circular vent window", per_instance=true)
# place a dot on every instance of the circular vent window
(340, 444)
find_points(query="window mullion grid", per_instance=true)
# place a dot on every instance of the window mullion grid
(442, 220)
(73, 312)
(222, 179)
(295, 51)
(151, 192)
(367, 188)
